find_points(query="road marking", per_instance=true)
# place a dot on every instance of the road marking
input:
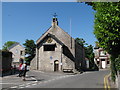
(36, 82)
(7, 83)
(26, 84)
(14, 87)
(106, 83)
(21, 87)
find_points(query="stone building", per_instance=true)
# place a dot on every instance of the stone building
(18, 52)
(58, 51)
(5, 62)
(102, 58)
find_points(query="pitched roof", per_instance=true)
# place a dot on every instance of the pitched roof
(15, 44)
(43, 34)
(53, 36)
(96, 47)
(59, 34)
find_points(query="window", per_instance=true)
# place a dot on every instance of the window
(21, 53)
(49, 47)
(96, 53)
(102, 53)
(97, 62)
(16, 51)
(102, 59)
(107, 62)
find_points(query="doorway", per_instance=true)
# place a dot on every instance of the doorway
(103, 63)
(56, 65)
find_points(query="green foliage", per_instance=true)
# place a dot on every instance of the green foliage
(107, 26)
(81, 41)
(30, 47)
(107, 29)
(90, 55)
(88, 51)
(117, 63)
(8, 44)
(113, 68)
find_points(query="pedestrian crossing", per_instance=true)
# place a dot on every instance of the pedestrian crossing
(27, 85)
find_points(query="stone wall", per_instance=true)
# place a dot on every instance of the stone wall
(33, 64)
(62, 36)
(79, 57)
(47, 58)
(6, 61)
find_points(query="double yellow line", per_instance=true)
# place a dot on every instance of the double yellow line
(106, 82)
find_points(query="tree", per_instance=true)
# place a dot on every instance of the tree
(107, 29)
(90, 55)
(81, 41)
(117, 63)
(30, 47)
(8, 44)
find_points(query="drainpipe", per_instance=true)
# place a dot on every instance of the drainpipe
(37, 57)
(61, 58)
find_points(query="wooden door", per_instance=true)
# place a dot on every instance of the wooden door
(56, 65)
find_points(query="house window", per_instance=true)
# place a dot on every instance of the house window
(96, 53)
(107, 62)
(16, 51)
(97, 62)
(102, 53)
(102, 59)
(21, 53)
(49, 47)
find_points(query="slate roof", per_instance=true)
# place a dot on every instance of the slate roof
(96, 47)
(15, 44)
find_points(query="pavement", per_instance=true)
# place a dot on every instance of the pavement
(119, 82)
(57, 79)
(111, 85)
(32, 78)
(38, 79)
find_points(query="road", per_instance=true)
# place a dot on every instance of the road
(86, 80)
(53, 80)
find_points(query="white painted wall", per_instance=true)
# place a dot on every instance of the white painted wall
(103, 64)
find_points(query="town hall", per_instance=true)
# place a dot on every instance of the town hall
(57, 51)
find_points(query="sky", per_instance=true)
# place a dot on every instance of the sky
(39, 0)
(29, 20)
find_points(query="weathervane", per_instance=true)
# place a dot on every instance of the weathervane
(55, 15)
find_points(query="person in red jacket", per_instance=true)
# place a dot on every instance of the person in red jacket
(20, 65)
(24, 70)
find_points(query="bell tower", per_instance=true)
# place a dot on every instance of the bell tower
(54, 20)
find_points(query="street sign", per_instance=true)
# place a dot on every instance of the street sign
(51, 57)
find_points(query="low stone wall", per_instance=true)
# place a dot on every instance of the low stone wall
(33, 64)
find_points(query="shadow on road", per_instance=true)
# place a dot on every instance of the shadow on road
(36, 80)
